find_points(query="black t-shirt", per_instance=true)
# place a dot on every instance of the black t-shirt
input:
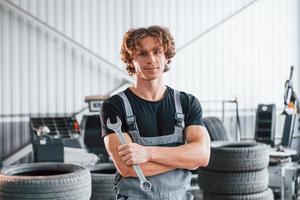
(154, 118)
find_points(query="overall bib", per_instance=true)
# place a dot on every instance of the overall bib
(172, 185)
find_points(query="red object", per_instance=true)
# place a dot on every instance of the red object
(76, 127)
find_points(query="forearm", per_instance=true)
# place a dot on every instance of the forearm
(192, 155)
(187, 156)
(149, 169)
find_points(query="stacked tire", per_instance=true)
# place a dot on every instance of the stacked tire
(194, 189)
(103, 181)
(236, 171)
(51, 181)
(215, 129)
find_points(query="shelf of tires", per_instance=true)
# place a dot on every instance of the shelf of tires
(236, 171)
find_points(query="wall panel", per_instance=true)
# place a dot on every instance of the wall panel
(240, 48)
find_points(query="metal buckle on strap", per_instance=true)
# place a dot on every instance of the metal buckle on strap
(131, 122)
(179, 117)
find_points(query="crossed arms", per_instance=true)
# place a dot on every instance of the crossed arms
(155, 160)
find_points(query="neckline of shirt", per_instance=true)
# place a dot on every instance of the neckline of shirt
(148, 101)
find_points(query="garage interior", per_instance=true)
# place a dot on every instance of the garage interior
(60, 59)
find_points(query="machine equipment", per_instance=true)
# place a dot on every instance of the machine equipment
(283, 169)
(91, 128)
(51, 134)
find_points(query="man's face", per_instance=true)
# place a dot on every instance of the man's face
(150, 60)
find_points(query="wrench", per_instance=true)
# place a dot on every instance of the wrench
(116, 127)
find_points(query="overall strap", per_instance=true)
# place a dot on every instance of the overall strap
(179, 116)
(130, 118)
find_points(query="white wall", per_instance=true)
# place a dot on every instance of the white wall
(241, 47)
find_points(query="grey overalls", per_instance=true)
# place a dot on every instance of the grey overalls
(172, 185)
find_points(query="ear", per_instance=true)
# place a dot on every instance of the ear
(131, 66)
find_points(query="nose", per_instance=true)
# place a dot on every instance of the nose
(151, 58)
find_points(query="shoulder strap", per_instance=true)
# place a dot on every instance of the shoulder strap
(179, 116)
(130, 118)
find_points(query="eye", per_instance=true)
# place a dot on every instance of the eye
(142, 53)
(157, 51)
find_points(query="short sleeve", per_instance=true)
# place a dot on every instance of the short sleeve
(111, 108)
(193, 111)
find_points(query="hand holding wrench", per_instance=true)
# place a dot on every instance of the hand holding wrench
(116, 127)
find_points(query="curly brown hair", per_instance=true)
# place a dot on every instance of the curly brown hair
(130, 44)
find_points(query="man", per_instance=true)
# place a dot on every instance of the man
(163, 127)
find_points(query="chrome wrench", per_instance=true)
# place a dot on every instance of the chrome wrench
(116, 127)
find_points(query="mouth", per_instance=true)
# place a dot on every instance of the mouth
(154, 68)
(150, 68)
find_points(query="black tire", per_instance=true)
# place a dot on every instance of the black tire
(233, 183)
(197, 194)
(194, 181)
(103, 181)
(238, 156)
(265, 195)
(45, 181)
(215, 129)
